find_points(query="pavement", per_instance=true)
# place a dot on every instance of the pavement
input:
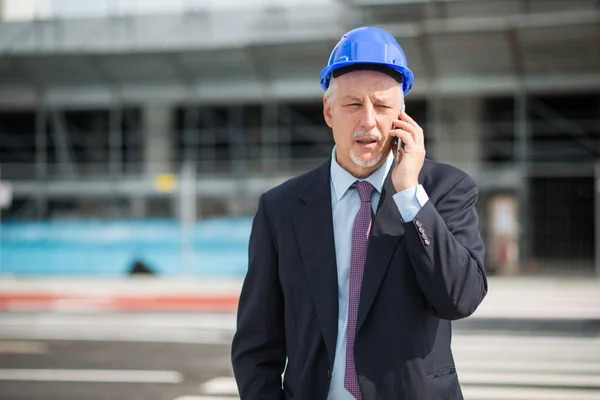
(169, 339)
(490, 367)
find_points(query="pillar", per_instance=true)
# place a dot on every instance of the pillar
(157, 136)
(459, 136)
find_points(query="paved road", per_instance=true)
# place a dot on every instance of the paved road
(74, 370)
(186, 357)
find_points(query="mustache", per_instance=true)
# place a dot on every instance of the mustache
(366, 134)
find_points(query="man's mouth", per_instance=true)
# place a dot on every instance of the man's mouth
(366, 140)
(367, 143)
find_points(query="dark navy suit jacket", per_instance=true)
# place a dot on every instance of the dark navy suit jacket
(419, 275)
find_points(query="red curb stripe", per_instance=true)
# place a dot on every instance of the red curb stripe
(116, 303)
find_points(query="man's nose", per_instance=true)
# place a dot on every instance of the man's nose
(368, 118)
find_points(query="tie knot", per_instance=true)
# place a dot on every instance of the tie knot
(365, 191)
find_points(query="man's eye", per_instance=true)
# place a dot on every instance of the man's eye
(383, 106)
(353, 104)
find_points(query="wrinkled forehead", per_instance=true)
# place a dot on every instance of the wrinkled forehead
(373, 84)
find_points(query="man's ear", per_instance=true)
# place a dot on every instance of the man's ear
(327, 111)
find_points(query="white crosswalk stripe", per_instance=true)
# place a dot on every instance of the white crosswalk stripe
(501, 367)
(223, 386)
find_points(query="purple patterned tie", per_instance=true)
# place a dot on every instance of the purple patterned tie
(360, 238)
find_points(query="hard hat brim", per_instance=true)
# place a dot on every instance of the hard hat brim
(407, 81)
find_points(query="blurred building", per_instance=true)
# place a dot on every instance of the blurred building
(103, 103)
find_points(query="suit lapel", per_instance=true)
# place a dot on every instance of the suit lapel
(386, 233)
(314, 230)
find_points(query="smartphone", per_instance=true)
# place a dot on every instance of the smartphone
(396, 140)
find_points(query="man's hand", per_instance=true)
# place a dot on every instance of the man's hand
(410, 160)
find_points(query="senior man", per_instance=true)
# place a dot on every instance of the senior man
(357, 267)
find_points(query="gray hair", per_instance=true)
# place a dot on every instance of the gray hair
(330, 92)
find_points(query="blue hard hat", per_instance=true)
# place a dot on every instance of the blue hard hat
(368, 45)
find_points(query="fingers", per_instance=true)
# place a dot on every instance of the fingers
(408, 118)
(409, 124)
(405, 136)
(405, 126)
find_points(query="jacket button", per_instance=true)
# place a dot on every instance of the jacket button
(418, 223)
(427, 242)
(328, 374)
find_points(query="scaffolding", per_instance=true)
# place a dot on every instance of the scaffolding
(237, 100)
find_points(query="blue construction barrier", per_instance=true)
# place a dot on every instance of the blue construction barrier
(109, 248)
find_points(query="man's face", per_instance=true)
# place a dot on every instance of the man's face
(360, 114)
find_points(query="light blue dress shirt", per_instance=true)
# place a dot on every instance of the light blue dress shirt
(345, 204)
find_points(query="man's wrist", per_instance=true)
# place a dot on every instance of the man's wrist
(404, 186)
(410, 201)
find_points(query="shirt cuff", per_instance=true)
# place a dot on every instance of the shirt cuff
(410, 201)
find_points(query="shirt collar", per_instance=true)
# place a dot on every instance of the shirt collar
(342, 179)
